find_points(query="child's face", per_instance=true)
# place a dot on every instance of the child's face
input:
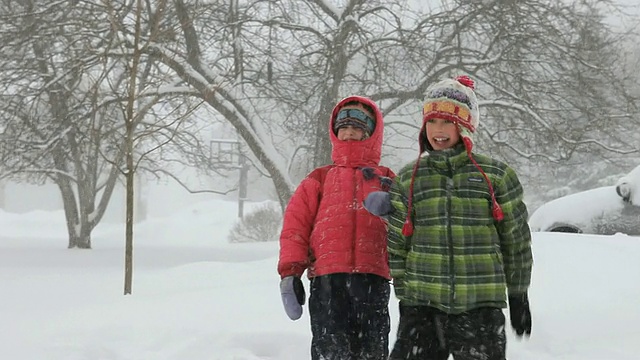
(349, 132)
(442, 134)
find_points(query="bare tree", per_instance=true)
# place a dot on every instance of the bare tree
(274, 69)
(53, 128)
(220, 85)
(540, 68)
(66, 68)
(550, 90)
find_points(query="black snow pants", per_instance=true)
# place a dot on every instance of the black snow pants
(349, 317)
(430, 334)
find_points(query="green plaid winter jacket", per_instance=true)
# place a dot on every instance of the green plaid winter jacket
(459, 258)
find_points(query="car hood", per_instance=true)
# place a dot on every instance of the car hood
(577, 209)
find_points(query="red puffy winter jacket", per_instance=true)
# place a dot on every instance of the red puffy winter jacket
(326, 229)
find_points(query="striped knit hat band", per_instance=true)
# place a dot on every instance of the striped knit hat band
(454, 100)
(449, 110)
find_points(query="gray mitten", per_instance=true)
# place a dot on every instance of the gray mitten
(293, 296)
(378, 203)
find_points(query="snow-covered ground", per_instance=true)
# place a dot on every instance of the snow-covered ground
(195, 296)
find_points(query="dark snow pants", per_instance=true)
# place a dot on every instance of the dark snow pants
(427, 333)
(349, 317)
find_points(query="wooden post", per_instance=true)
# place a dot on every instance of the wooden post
(242, 184)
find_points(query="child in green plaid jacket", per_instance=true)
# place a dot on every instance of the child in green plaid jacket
(459, 243)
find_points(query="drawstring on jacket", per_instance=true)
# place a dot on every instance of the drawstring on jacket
(496, 209)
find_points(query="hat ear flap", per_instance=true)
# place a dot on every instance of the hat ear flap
(423, 141)
(466, 134)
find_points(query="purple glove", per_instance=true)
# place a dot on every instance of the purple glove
(378, 203)
(293, 296)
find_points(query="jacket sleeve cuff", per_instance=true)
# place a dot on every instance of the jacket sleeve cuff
(516, 291)
(293, 270)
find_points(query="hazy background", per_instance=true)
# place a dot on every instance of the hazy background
(182, 94)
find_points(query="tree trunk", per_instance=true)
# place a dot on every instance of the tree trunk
(128, 252)
(2, 197)
(322, 150)
(77, 237)
(129, 160)
(81, 240)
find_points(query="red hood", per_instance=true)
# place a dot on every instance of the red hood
(357, 153)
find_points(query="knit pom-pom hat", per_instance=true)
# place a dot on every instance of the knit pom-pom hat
(453, 100)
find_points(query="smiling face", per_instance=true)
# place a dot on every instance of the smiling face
(442, 134)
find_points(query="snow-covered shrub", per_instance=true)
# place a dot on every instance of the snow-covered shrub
(262, 224)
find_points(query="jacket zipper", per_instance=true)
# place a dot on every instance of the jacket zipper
(354, 207)
(452, 293)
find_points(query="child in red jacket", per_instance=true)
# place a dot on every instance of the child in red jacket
(328, 233)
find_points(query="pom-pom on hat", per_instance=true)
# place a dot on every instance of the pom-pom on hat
(456, 101)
